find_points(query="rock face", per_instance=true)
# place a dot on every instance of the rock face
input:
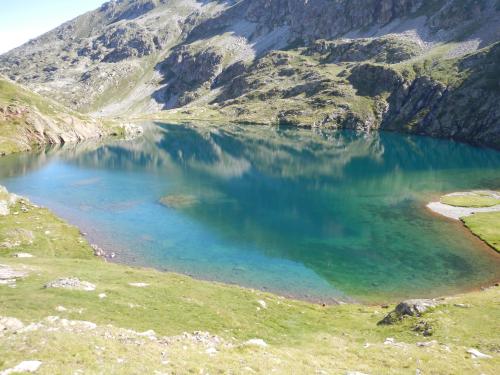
(413, 307)
(418, 66)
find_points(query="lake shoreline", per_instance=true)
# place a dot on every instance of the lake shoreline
(117, 259)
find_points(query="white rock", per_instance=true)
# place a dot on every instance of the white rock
(262, 303)
(426, 343)
(139, 285)
(25, 366)
(477, 354)
(389, 341)
(4, 208)
(150, 334)
(10, 324)
(8, 273)
(23, 255)
(102, 295)
(61, 308)
(256, 342)
(211, 351)
(355, 373)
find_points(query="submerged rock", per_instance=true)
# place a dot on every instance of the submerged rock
(178, 201)
(413, 307)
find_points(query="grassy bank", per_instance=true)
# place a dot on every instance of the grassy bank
(300, 337)
(485, 225)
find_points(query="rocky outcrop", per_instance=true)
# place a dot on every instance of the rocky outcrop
(71, 283)
(362, 64)
(121, 42)
(188, 71)
(413, 307)
(388, 50)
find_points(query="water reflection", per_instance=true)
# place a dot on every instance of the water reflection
(322, 213)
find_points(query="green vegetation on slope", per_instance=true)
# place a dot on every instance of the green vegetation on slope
(301, 337)
(470, 200)
(28, 119)
(485, 225)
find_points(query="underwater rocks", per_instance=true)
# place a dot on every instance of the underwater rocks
(178, 201)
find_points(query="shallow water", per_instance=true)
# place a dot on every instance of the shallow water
(312, 215)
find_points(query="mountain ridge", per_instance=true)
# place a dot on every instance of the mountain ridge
(279, 61)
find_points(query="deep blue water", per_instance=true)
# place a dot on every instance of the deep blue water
(302, 213)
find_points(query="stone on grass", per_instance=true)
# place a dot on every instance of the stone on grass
(355, 373)
(10, 324)
(211, 351)
(256, 342)
(139, 285)
(25, 366)
(8, 275)
(262, 303)
(23, 255)
(477, 354)
(71, 283)
(102, 295)
(412, 307)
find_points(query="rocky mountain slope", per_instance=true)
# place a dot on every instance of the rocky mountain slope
(28, 119)
(421, 66)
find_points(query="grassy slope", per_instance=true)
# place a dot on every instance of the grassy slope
(302, 337)
(13, 128)
(485, 225)
(470, 201)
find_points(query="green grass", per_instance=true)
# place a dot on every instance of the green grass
(485, 225)
(475, 200)
(302, 337)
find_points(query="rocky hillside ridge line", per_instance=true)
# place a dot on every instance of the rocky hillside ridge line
(27, 119)
(241, 60)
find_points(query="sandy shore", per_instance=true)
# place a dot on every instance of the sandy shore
(456, 213)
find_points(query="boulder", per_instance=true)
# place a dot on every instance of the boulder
(412, 307)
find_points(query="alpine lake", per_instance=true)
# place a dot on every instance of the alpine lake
(316, 215)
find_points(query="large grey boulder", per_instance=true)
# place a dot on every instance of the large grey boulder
(411, 307)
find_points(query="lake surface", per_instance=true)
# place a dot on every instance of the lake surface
(315, 215)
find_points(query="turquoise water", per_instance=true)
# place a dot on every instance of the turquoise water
(315, 215)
